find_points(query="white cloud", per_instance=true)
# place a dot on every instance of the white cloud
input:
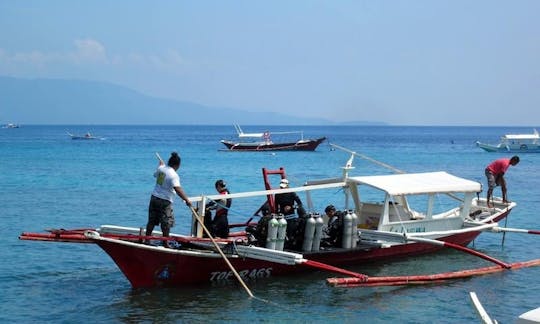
(169, 60)
(86, 51)
(89, 50)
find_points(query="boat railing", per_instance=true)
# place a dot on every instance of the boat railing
(268, 192)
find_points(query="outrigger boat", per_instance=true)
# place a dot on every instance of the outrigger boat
(517, 143)
(263, 142)
(87, 136)
(408, 214)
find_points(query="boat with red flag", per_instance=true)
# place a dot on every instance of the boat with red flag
(381, 217)
(263, 142)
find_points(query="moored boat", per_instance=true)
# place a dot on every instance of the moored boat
(87, 136)
(402, 219)
(263, 142)
(517, 143)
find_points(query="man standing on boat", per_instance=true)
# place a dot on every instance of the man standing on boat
(160, 210)
(495, 176)
(285, 202)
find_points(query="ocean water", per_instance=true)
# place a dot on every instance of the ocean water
(48, 180)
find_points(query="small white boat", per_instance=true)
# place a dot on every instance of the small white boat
(87, 136)
(10, 125)
(518, 143)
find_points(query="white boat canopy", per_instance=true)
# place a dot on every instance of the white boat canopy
(418, 183)
(533, 136)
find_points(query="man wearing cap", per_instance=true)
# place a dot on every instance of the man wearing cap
(285, 201)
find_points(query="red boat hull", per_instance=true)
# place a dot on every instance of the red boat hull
(307, 145)
(150, 267)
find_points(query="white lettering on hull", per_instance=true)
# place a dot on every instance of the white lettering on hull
(244, 274)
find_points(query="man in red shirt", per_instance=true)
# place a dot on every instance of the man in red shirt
(495, 176)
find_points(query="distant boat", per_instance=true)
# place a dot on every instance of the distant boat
(87, 136)
(10, 125)
(518, 143)
(263, 142)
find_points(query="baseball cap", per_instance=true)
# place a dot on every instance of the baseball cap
(284, 183)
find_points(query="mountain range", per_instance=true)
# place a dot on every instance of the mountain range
(63, 101)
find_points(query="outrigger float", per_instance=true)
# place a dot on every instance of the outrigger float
(383, 217)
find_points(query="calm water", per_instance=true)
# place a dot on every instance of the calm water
(48, 180)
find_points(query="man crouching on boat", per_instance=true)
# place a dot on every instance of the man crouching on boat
(160, 209)
(495, 176)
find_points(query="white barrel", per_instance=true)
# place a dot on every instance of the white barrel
(319, 222)
(354, 233)
(347, 231)
(309, 232)
(282, 232)
(271, 238)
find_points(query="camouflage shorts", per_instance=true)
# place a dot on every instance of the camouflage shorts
(160, 211)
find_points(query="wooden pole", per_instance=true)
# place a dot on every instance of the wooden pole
(460, 248)
(327, 267)
(424, 279)
(221, 253)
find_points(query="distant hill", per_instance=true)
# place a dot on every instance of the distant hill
(58, 101)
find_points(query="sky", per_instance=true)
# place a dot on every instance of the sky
(454, 62)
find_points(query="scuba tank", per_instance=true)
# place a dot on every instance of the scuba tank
(354, 230)
(347, 231)
(319, 222)
(308, 234)
(281, 232)
(272, 233)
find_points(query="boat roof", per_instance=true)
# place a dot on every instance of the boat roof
(534, 135)
(418, 183)
(521, 136)
(393, 184)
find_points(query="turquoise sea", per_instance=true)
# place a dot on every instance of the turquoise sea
(48, 180)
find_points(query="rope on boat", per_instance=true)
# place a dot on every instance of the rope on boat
(387, 166)
(365, 157)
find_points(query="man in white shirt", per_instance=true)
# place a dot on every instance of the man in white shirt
(160, 211)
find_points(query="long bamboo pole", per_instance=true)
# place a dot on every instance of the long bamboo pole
(221, 253)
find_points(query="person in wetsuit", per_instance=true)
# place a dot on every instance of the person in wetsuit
(285, 202)
(219, 226)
